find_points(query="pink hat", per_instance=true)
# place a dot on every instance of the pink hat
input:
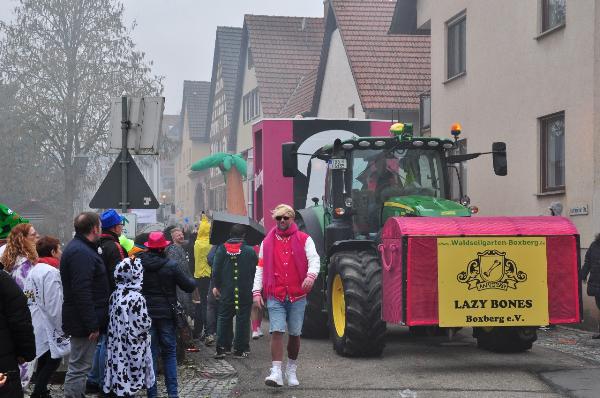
(156, 240)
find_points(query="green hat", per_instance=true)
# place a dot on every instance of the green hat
(8, 220)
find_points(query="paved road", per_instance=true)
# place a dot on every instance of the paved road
(563, 363)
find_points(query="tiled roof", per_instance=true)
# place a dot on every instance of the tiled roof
(390, 70)
(195, 101)
(228, 42)
(301, 100)
(283, 50)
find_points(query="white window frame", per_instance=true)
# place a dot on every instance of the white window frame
(461, 68)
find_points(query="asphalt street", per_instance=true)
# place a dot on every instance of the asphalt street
(563, 363)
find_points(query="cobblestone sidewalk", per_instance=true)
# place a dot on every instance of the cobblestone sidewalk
(571, 341)
(200, 376)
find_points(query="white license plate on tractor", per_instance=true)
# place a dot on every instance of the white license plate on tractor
(338, 164)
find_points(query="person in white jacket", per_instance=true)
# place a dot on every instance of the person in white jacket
(43, 288)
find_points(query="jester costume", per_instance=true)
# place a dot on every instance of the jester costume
(233, 268)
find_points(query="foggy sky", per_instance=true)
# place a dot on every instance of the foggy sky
(179, 35)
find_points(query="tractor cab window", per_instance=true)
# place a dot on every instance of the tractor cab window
(382, 175)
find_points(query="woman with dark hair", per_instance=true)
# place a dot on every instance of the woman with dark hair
(161, 278)
(18, 259)
(43, 288)
(591, 266)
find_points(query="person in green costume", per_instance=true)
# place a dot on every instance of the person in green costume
(233, 268)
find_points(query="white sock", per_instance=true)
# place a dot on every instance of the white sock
(291, 362)
(277, 365)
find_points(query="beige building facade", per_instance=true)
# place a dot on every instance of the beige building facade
(190, 187)
(526, 73)
(187, 200)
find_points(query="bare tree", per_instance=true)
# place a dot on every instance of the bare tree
(68, 58)
(24, 173)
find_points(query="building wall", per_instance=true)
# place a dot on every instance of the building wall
(339, 90)
(512, 79)
(244, 130)
(185, 182)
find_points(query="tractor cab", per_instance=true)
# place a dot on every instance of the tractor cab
(369, 179)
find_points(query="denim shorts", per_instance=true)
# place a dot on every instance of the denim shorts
(282, 312)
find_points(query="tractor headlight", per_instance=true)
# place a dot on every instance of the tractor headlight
(348, 146)
(348, 202)
(364, 144)
(465, 200)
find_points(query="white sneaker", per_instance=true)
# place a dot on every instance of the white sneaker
(275, 379)
(260, 333)
(255, 335)
(290, 375)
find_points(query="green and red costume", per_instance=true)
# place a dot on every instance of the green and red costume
(233, 272)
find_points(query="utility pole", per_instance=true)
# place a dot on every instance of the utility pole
(124, 154)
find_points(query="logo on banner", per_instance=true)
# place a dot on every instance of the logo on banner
(492, 281)
(491, 270)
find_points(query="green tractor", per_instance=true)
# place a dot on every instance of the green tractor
(366, 181)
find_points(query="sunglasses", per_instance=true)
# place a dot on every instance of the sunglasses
(279, 218)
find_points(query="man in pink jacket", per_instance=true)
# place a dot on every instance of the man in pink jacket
(288, 264)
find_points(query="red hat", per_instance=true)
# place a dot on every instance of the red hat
(156, 240)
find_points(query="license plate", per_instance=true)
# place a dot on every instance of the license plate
(337, 164)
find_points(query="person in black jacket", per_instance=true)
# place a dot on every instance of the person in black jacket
(212, 303)
(161, 278)
(17, 341)
(591, 266)
(86, 295)
(112, 253)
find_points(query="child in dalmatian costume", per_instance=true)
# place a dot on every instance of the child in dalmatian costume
(128, 356)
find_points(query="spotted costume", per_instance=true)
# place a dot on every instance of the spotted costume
(128, 356)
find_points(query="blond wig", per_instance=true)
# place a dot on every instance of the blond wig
(283, 210)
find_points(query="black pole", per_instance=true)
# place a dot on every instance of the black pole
(124, 160)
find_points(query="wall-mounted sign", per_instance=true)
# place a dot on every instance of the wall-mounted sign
(579, 210)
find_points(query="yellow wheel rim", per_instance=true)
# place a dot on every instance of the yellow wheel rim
(338, 306)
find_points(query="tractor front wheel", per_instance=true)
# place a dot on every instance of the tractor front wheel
(505, 339)
(354, 304)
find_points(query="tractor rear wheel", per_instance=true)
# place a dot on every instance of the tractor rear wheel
(505, 339)
(354, 304)
(315, 318)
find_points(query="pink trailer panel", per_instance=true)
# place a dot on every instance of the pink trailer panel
(409, 260)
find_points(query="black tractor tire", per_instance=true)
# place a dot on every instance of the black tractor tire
(505, 339)
(363, 330)
(315, 318)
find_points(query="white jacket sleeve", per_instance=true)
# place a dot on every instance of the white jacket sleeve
(258, 276)
(314, 261)
(53, 298)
